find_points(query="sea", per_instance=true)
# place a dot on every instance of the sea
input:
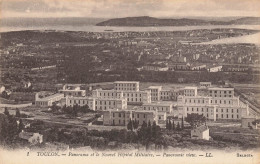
(89, 25)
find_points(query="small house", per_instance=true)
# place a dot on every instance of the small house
(201, 132)
(33, 138)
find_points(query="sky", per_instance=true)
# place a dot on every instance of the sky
(129, 8)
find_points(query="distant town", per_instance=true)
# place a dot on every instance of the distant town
(160, 90)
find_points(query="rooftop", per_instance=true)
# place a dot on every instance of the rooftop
(190, 87)
(158, 104)
(154, 87)
(223, 89)
(126, 82)
(51, 97)
(201, 128)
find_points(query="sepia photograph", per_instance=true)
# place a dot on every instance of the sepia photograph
(130, 81)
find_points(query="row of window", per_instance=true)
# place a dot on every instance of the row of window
(227, 110)
(159, 108)
(227, 116)
(100, 102)
(123, 115)
(197, 109)
(130, 84)
(222, 110)
(219, 95)
(220, 91)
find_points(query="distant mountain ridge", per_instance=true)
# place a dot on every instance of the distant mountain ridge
(151, 21)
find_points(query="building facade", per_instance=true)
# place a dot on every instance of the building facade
(122, 118)
(42, 100)
(131, 96)
(155, 92)
(98, 103)
(126, 85)
(70, 90)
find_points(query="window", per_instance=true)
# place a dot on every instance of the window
(192, 109)
(144, 115)
(227, 110)
(221, 115)
(113, 114)
(137, 115)
(119, 121)
(227, 115)
(232, 110)
(119, 114)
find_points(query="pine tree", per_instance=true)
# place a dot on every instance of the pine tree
(130, 125)
(182, 123)
(154, 131)
(170, 125)
(178, 126)
(133, 123)
(136, 124)
(144, 125)
(167, 124)
(173, 125)
(18, 114)
(21, 125)
(149, 130)
(6, 112)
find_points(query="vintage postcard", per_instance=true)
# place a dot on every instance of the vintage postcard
(129, 81)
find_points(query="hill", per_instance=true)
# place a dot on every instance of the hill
(151, 21)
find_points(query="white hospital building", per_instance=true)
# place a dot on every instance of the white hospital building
(221, 104)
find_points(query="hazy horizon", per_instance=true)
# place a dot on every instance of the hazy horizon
(129, 8)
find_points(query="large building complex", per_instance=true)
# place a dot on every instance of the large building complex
(154, 103)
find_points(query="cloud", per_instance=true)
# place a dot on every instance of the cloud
(123, 8)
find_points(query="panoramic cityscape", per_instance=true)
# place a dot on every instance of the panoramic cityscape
(134, 83)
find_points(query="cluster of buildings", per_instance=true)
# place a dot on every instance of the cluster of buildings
(151, 104)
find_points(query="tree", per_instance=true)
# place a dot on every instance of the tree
(149, 130)
(182, 123)
(130, 125)
(173, 125)
(75, 110)
(154, 130)
(167, 124)
(20, 126)
(18, 114)
(195, 119)
(144, 125)
(178, 126)
(136, 124)
(6, 112)
(170, 125)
